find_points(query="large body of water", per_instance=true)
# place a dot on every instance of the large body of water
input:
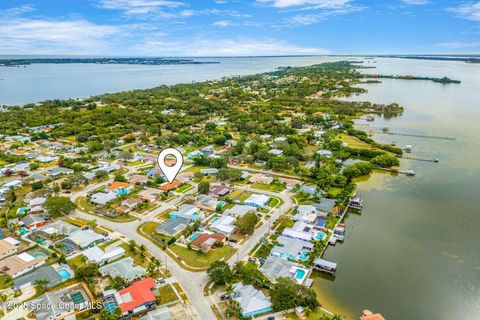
(412, 253)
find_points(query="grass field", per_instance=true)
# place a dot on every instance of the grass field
(198, 259)
(184, 187)
(274, 187)
(354, 142)
(243, 196)
(167, 294)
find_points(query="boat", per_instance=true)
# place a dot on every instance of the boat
(356, 202)
(410, 172)
(407, 148)
(332, 241)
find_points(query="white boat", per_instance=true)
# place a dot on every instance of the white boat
(356, 202)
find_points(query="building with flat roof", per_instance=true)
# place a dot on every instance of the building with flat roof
(97, 255)
(239, 210)
(8, 246)
(85, 238)
(225, 225)
(48, 273)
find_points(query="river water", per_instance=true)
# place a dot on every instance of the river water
(412, 253)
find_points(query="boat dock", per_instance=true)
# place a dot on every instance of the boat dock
(405, 172)
(411, 157)
(386, 130)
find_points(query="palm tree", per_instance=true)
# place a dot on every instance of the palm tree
(92, 224)
(42, 283)
(142, 252)
(132, 246)
(229, 288)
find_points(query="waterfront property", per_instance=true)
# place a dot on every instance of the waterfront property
(291, 249)
(323, 265)
(276, 267)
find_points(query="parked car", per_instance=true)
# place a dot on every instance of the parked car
(252, 260)
(224, 297)
(160, 281)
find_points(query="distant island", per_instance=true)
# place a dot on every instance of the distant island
(443, 80)
(467, 59)
(142, 61)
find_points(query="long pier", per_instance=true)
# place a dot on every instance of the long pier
(386, 130)
(412, 157)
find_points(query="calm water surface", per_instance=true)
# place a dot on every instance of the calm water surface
(413, 252)
(39, 82)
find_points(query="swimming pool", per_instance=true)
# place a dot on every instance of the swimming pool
(38, 253)
(221, 203)
(64, 274)
(215, 219)
(110, 305)
(320, 236)
(303, 255)
(300, 274)
(193, 236)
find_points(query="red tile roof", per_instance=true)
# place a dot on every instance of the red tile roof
(376, 316)
(204, 237)
(170, 186)
(140, 291)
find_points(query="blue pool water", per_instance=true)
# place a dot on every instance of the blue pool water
(320, 236)
(215, 219)
(21, 210)
(64, 274)
(303, 255)
(221, 203)
(299, 274)
(110, 306)
(193, 237)
(122, 191)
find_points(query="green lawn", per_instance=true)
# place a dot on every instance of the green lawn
(274, 187)
(243, 196)
(5, 282)
(198, 259)
(184, 187)
(314, 315)
(282, 223)
(274, 202)
(135, 163)
(263, 251)
(167, 294)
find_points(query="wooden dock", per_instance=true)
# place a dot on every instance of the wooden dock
(412, 157)
(386, 130)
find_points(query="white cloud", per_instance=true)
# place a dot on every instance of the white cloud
(53, 36)
(415, 2)
(459, 45)
(222, 23)
(222, 47)
(470, 11)
(314, 4)
(137, 7)
(308, 19)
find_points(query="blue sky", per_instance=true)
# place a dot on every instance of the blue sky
(238, 27)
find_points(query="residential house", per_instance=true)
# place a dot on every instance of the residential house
(224, 224)
(137, 299)
(85, 238)
(55, 172)
(187, 211)
(326, 205)
(172, 227)
(219, 191)
(251, 301)
(20, 264)
(239, 210)
(300, 230)
(124, 268)
(257, 200)
(63, 303)
(205, 241)
(276, 267)
(306, 213)
(159, 314)
(102, 198)
(155, 173)
(289, 183)
(209, 171)
(36, 204)
(8, 246)
(276, 152)
(291, 249)
(48, 273)
(167, 186)
(149, 194)
(138, 179)
(185, 176)
(33, 221)
(311, 190)
(324, 153)
(208, 150)
(97, 255)
(260, 178)
(131, 203)
(207, 203)
(120, 188)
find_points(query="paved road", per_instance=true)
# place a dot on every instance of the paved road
(191, 282)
